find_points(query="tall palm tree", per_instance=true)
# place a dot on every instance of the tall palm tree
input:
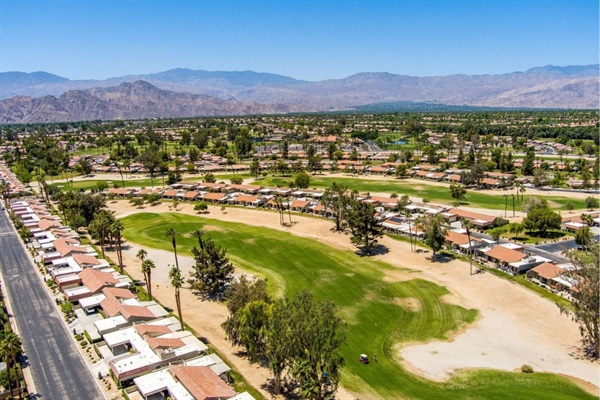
(10, 348)
(172, 233)
(198, 233)
(142, 254)
(177, 282)
(407, 214)
(468, 225)
(147, 266)
(115, 229)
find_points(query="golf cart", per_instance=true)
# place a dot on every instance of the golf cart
(363, 359)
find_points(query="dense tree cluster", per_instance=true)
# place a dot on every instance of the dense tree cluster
(299, 337)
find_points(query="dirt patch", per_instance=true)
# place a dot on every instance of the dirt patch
(408, 303)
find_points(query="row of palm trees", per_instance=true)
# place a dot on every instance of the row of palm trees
(177, 279)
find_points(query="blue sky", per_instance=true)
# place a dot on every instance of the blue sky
(310, 40)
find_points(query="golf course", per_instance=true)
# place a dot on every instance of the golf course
(382, 313)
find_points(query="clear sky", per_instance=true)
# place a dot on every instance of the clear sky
(312, 40)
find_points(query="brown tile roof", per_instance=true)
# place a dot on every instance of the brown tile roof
(65, 246)
(143, 329)
(503, 254)
(246, 198)
(489, 181)
(95, 280)
(191, 194)
(213, 196)
(119, 293)
(454, 178)
(85, 260)
(202, 382)
(457, 238)
(136, 311)
(170, 193)
(300, 204)
(158, 342)
(548, 270)
(46, 224)
(111, 306)
(471, 215)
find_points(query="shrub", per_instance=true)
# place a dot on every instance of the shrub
(83, 343)
(528, 369)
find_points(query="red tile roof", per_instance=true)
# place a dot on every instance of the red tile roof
(95, 280)
(548, 270)
(119, 293)
(503, 254)
(202, 382)
(143, 329)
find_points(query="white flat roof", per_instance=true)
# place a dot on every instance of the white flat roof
(77, 291)
(110, 323)
(92, 301)
(512, 246)
(161, 380)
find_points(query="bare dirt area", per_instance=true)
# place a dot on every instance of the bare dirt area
(514, 327)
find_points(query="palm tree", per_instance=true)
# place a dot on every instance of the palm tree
(172, 233)
(468, 225)
(147, 266)
(177, 282)
(198, 233)
(407, 214)
(115, 229)
(142, 254)
(10, 348)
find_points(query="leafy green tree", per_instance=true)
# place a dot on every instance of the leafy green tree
(583, 237)
(336, 198)
(364, 226)
(212, 271)
(237, 180)
(319, 334)
(586, 303)
(401, 170)
(201, 206)
(541, 218)
(528, 162)
(302, 180)
(591, 202)
(434, 233)
(255, 167)
(210, 178)
(151, 160)
(239, 294)
(254, 321)
(458, 193)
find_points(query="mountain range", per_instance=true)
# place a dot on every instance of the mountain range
(44, 97)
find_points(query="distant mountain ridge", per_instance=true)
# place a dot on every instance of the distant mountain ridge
(568, 87)
(135, 100)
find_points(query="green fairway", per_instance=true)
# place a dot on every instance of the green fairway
(129, 183)
(434, 193)
(375, 310)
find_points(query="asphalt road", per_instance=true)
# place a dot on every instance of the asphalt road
(57, 367)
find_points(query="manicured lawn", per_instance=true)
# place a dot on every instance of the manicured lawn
(438, 194)
(129, 183)
(372, 307)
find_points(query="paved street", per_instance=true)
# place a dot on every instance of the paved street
(58, 370)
